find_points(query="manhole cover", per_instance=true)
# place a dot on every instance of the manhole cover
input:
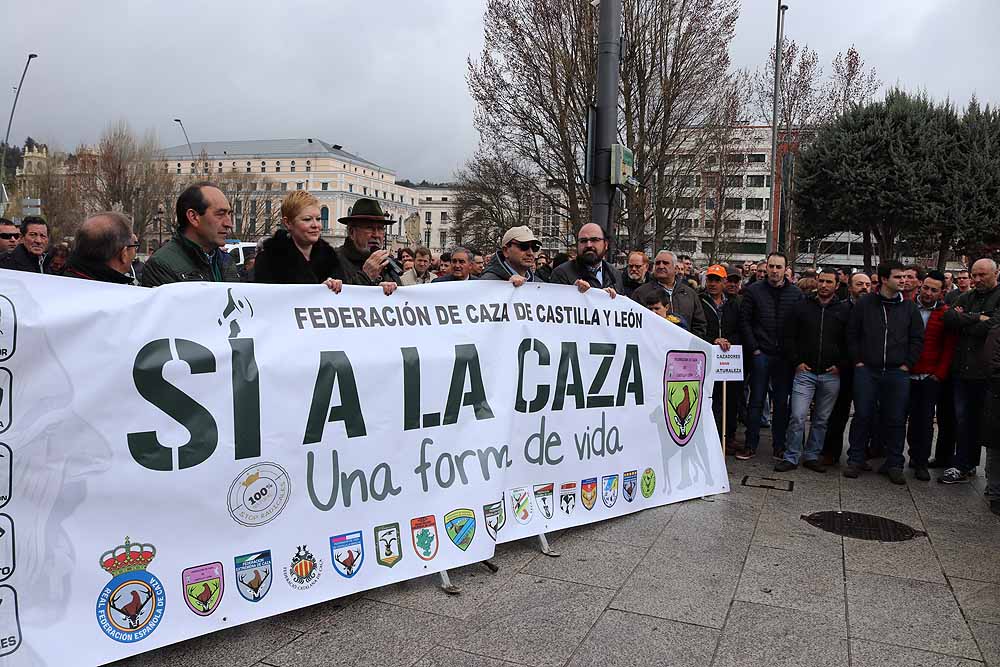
(862, 526)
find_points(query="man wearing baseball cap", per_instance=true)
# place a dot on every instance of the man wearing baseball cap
(722, 327)
(515, 260)
(364, 259)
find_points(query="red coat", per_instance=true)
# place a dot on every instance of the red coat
(939, 346)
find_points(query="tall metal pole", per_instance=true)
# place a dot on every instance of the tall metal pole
(190, 150)
(10, 121)
(779, 36)
(608, 60)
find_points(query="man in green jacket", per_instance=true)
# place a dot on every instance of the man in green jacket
(204, 220)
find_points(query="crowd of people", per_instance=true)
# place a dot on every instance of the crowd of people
(905, 347)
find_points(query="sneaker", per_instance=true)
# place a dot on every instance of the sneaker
(896, 476)
(953, 476)
(922, 474)
(852, 470)
(814, 465)
(784, 466)
(745, 455)
(778, 455)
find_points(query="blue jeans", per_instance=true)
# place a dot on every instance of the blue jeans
(776, 371)
(970, 403)
(923, 399)
(891, 390)
(806, 387)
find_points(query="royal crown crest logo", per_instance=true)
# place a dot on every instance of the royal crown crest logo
(348, 553)
(609, 487)
(388, 548)
(647, 484)
(544, 499)
(520, 504)
(253, 575)
(588, 492)
(203, 587)
(460, 525)
(424, 533)
(495, 517)
(567, 497)
(303, 569)
(683, 380)
(131, 605)
(630, 481)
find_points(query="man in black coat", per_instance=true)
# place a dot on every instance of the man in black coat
(103, 249)
(29, 255)
(885, 335)
(766, 304)
(589, 269)
(722, 328)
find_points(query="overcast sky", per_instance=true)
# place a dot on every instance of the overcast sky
(386, 78)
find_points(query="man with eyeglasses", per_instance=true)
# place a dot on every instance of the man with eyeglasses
(636, 271)
(103, 250)
(963, 283)
(515, 260)
(684, 301)
(29, 255)
(10, 235)
(589, 268)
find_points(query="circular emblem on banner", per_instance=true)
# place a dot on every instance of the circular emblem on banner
(132, 603)
(259, 494)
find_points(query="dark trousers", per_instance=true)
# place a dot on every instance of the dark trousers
(776, 371)
(833, 443)
(890, 390)
(944, 448)
(970, 402)
(734, 396)
(920, 432)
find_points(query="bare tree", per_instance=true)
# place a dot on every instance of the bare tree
(849, 84)
(492, 195)
(60, 188)
(128, 177)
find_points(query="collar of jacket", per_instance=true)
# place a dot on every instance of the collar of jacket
(896, 299)
(95, 271)
(530, 277)
(212, 260)
(832, 302)
(352, 253)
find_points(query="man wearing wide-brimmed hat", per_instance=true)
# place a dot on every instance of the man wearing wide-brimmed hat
(364, 260)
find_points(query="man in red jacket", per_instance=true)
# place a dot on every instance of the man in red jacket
(929, 372)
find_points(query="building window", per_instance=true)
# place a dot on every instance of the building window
(192, 167)
(444, 239)
(734, 203)
(685, 181)
(220, 170)
(444, 199)
(428, 198)
(309, 165)
(755, 203)
(427, 217)
(735, 158)
(350, 187)
(366, 190)
(284, 185)
(755, 181)
(754, 225)
(325, 186)
(685, 223)
(732, 225)
(444, 217)
(178, 169)
(324, 216)
(734, 181)
(684, 202)
(758, 158)
(710, 203)
(298, 186)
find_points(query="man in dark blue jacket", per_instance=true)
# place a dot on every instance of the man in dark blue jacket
(766, 304)
(885, 336)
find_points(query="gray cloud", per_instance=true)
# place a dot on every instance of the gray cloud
(386, 78)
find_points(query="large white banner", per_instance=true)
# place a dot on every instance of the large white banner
(180, 460)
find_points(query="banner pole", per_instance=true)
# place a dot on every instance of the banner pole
(722, 439)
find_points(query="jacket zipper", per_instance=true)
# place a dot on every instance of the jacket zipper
(819, 352)
(885, 340)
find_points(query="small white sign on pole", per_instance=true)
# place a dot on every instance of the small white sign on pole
(727, 366)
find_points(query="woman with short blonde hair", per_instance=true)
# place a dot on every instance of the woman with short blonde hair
(297, 253)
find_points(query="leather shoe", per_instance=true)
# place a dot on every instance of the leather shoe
(784, 466)
(852, 470)
(896, 476)
(814, 465)
(922, 474)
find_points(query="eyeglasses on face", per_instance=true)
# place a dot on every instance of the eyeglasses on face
(590, 239)
(6, 236)
(527, 245)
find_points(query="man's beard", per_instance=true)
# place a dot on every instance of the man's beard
(590, 258)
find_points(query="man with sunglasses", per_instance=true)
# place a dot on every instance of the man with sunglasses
(10, 235)
(589, 269)
(515, 260)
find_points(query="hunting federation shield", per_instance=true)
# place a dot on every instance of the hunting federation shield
(253, 575)
(388, 549)
(629, 479)
(520, 504)
(609, 485)
(588, 492)
(460, 525)
(424, 533)
(567, 497)
(348, 552)
(495, 516)
(203, 588)
(544, 499)
(683, 380)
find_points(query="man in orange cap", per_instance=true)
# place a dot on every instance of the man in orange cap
(722, 318)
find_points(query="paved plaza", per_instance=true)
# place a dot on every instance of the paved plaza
(737, 579)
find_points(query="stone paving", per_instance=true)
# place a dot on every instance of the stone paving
(738, 579)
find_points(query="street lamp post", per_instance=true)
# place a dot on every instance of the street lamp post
(779, 37)
(10, 121)
(190, 150)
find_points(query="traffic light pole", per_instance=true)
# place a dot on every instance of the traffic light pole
(608, 63)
